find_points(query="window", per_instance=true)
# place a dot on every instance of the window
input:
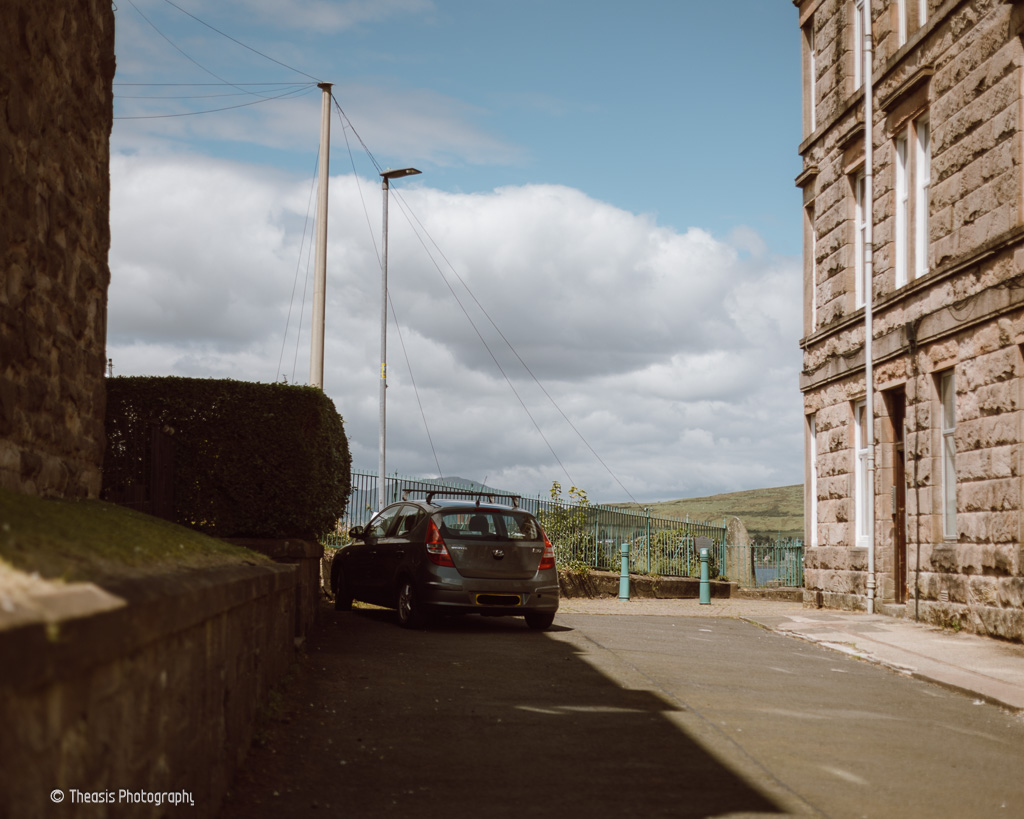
(811, 266)
(810, 77)
(379, 526)
(913, 183)
(490, 525)
(922, 185)
(407, 520)
(857, 28)
(947, 396)
(911, 15)
(812, 457)
(861, 489)
(902, 209)
(860, 238)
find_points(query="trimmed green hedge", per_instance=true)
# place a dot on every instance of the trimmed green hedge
(249, 460)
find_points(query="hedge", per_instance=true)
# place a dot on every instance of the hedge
(249, 460)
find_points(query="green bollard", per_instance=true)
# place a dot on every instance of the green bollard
(705, 583)
(624, 573)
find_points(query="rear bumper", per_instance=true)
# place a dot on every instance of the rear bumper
(448, 594)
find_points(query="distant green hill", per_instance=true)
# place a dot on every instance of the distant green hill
(767, 513)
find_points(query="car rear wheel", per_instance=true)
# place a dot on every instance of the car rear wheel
(342, 596)
(341, 589)
(409, 613)
(540, 620)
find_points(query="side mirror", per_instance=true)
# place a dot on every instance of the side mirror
(356, 533)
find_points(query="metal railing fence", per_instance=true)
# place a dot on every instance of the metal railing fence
(592, 535)
(766, 565)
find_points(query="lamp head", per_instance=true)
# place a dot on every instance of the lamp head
(398, 174)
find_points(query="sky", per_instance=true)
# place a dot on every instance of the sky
(595, 280)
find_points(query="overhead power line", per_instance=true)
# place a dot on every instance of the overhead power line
(286, 95)
(295, 90)
(239, 42)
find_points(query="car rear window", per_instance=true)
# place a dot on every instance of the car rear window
(477, 524)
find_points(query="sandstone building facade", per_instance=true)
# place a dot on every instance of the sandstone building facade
(56, 113)
(913, 193)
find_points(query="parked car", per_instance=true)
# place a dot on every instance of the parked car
(452, 556)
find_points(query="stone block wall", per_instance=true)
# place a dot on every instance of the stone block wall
(56, 113)
(307, 556)
(150, 688)
(965, 68)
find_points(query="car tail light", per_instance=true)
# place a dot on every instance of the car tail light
(437, 551)
(547, 560)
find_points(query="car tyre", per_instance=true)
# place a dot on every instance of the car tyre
(540, 620)
(409, 613)
(342, 592)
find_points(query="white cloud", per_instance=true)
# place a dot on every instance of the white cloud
(674, 354)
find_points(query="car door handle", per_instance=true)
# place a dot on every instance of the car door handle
(400, 553)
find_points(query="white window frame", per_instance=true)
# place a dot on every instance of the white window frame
(901, 25)
(860, 472)
(922, 12)
(922, 187)
(902, 208)
(947, 403)
(860, 213)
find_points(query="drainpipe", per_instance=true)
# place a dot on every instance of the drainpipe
(869, 295)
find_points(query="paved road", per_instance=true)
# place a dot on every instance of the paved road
(618, 715)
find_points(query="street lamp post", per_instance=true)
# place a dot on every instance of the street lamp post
(386, 176)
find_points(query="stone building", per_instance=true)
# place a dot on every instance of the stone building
(913, 194)
(56, 113)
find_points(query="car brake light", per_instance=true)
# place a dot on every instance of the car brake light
(437, 551)
(547, 560)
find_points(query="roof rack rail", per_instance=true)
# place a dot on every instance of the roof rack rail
(464, 493)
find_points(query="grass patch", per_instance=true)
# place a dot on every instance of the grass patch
(89, 540)
(766, 513)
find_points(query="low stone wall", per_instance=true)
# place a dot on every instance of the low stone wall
(140, 692)
(307, 556)
(606, 584)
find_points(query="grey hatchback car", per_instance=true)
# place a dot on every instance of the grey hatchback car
(452, 556)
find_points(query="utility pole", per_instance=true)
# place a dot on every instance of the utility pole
(316, 352)
(386, 177)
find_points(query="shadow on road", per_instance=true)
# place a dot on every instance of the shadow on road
(475, 717)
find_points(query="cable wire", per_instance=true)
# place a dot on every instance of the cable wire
(239, 42)
(415, 389)
(175, 46)
(380, 263)
(420, 232)
(490, 352)
(417, 228)
(298, 266)
(410, 215)
(218, 110)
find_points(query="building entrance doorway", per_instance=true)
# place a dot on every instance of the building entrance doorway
(897, 405)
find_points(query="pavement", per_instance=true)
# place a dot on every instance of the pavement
(986, 668)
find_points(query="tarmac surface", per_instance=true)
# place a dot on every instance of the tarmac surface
(625, 708)
(983, 667)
